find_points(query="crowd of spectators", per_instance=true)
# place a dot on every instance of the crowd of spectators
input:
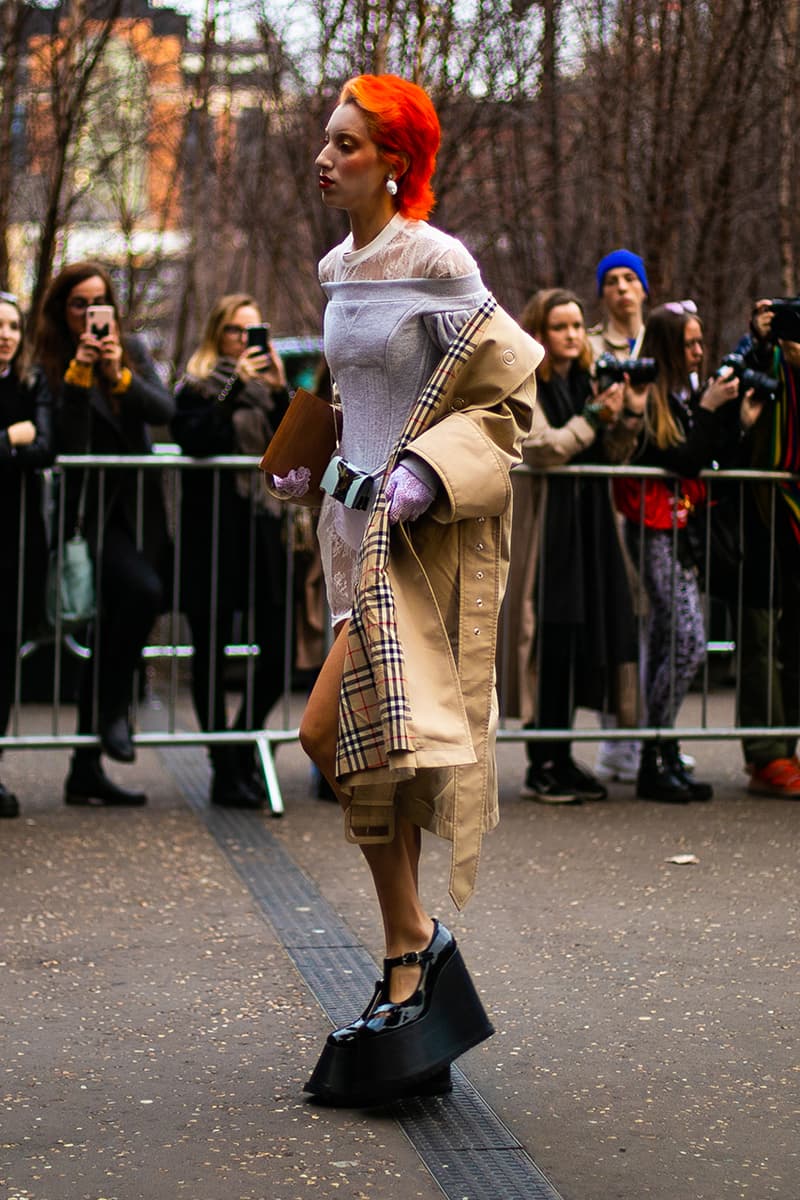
(592, 561)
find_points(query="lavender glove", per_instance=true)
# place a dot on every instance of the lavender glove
(294, 484)
(407, 497)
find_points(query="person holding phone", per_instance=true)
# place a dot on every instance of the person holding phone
(26, 443)
(437, 387)
(107, 392)
(230, 402)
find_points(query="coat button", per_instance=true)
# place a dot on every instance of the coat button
(480, 520)
(479, 603)
(509, 357)
(476, 631)
(458, 402)
(479, 574)
(479, 546)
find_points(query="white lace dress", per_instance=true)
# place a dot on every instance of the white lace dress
(393, 308)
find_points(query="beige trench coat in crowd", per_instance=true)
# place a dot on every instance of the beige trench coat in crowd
(448, 573)
(546, 446)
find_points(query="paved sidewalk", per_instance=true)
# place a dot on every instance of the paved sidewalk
(155, 1034)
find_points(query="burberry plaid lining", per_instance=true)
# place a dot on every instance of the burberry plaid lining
(373, 707)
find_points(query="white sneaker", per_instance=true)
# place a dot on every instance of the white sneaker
(618, 761)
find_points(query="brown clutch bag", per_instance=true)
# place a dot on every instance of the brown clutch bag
(306, 437)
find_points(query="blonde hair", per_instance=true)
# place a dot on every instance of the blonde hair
(533, 320)
(207, 354)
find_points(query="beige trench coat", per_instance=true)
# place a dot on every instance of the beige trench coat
(448, 573)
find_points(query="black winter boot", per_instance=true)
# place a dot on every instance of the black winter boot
(656, 780)
(9, 805)
(672, 757)
(87, 783)
(229, 787)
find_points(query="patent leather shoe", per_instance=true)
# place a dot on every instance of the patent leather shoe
(9, 805)
(399, 1049)
(87, 783)
(115, 738)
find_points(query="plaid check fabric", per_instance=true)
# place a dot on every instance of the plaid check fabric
(373, 707)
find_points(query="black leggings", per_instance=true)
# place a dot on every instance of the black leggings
(555, 706)
(131, 597)
(267, 671)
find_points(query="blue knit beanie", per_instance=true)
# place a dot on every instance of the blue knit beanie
(621, 258)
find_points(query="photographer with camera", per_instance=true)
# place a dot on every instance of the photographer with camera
(769, 620)
(682, 432)
(571, 623)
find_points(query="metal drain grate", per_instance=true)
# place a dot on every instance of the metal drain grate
(468, 1150)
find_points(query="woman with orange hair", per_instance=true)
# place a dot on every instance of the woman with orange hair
(436, 385)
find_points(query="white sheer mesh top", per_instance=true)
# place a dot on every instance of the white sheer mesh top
(393, 308)
(404, 249)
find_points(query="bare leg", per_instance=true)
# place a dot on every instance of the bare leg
(394, 865)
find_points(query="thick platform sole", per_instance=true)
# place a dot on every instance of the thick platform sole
(438, 1084)
(374, 1068)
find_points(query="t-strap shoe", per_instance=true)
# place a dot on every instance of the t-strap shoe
(400, 1049)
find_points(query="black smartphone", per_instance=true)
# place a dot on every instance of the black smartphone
(258, 335)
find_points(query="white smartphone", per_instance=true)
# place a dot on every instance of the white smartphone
(100, 320)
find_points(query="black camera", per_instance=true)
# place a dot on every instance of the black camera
(609, 369)
(785, 319)
(765, 388)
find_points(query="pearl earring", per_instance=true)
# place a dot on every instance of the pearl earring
(391, 186)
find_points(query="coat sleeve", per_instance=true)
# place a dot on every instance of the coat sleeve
(146, 398)
(548, 446)
(201, 426)
(688, 458)
(41, 451)
(472, 452)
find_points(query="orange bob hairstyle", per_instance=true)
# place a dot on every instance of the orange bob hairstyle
(403, 125)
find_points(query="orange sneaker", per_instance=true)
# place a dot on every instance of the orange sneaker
(781, 777)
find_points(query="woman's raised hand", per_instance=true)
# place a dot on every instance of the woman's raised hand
(255, 363)
(111, 357)
(721, 390)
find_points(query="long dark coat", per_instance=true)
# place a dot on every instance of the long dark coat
(89, 420)
(23, 400)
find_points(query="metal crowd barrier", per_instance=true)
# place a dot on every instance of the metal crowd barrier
(72, 645)
(716, 612)
(171, 650)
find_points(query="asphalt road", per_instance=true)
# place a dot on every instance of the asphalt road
(155, 1034)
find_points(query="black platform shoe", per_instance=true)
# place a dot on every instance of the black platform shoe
(115, 738)
(87, 783)
(656, 780)
(396, 1050)
(671, 752)
(9, 805)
